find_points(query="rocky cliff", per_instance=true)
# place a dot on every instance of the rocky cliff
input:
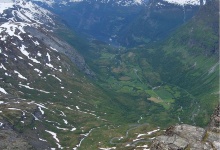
(184, 137)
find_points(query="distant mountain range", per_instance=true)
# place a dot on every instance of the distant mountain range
(122, 2)
(113, 22)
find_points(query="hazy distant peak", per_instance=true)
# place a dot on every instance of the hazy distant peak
(185, 2)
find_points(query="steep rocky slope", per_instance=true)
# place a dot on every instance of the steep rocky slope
(46, 100)
(156, 21)
(20, 20)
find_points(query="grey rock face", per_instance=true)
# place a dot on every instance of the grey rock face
(11, 140)
(181, 137)
(51, 41)
(174, 141)
(191, 133)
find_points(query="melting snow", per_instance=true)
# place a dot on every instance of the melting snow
(19, 75)
(62, 128)
(5, 4)
(37, 70)
(28, 87)
(73, 129)
(48, 56)
(35, 118)
(40, 105)
(184, 2)
(43, 91)
(56, 77)
(2, 66)
(143, 146)
(3, 90)
(137, 139)
(14, 109)
(36, 43)
(65, 121)
(39, 54)
(52, 122)
(23, 51)
(139, 135)
(63, 114)
(54, 135)
(10, 29)
(26, 53)
(50, 65)
(42, 140)
(59, 146)
(87, 134)
(69, 108)
(53, 49)
(42, 112)
(150, 132)
(110, 148)
(20, 57)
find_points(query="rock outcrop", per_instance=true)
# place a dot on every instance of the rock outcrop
(184, 137)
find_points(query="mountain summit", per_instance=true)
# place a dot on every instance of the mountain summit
(112, 2)
(122, 2)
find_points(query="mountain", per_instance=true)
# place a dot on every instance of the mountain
(48, 96)
(122, 2)
(47, 100)
(126, 25)
(156, 21)
(111, 2)
(63, 87)
(21, 18)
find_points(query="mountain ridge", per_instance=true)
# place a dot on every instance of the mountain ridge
(123, 2)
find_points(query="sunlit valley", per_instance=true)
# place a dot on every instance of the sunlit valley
(108, 74)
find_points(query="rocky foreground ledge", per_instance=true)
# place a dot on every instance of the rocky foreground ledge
(187, 137)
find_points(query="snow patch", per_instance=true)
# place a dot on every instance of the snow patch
(53, 49)
(19, 75)
(55, 77)
(5, 4)
(3, 90)
(150, 132)
(42, 140)
(54, 135)
(184, 2)
(3, 67)
(48, 56)
(42, 112)
(65, 121)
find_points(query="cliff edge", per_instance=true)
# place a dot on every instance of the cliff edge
(187, 137)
